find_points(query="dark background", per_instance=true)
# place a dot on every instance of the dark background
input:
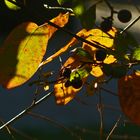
(76, 114)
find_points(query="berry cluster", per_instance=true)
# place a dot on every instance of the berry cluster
(76, 81)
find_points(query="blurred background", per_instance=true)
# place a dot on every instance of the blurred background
(81, 116)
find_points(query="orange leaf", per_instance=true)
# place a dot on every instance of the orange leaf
(64, 94)
(23, 51)
(71, 43)
(129, 96)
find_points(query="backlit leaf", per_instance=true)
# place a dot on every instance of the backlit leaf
(97, 35)
(136, 54)
(23, 51)
(71, 43)
(63, 93)
(128, 89)
(11, 6)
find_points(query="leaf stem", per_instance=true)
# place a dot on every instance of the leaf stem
(58, 8)
(26, 110)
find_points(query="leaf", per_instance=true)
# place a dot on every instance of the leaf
(136, 54)
(83, 55)
(11, 6)
(97, 35)
(71, 43)
(64, 94)
(123, 44)
(96, 71)
(61, 2)
(23, 51)
(114, 70)
(88, 17)
(128, 91)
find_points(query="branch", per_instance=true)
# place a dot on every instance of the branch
(26, 110)
(54, 122)
(8, 130)
(114, 127)
(129, 25)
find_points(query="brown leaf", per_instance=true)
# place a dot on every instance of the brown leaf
(129, 96)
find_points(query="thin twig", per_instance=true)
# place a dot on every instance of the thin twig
(8, 130)
(26, 110)
(108, 91)
(114, 127)
(58, 8)
(18, 132)
(113, 136)
(100, 109)
(129, 25)
(53, 122)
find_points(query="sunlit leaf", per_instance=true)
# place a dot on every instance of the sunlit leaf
(71, 43)
(11, 5)
(96, 35)
(83, 55)
(65, 93)
(96, 71)
(136, 54)
(23, 51)
(109, 59)
(128, 89)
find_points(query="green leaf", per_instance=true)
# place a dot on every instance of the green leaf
(136, 54)
(82, 54)
(114, 70)
(11, 5)
(131, 40)
(120, 44)
(81, 72)
(61, 2)
(86, 15)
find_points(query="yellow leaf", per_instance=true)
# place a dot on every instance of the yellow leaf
(64, 94)
(23, 51)
(71, 43)
(109, 59)
(96, 71)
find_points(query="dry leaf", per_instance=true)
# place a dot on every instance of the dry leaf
(129, 96)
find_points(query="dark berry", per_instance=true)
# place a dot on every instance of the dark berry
(66, 72)
(100, 55)
(124, 15)
(68, 83)
(77, 82)
(106, 25)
